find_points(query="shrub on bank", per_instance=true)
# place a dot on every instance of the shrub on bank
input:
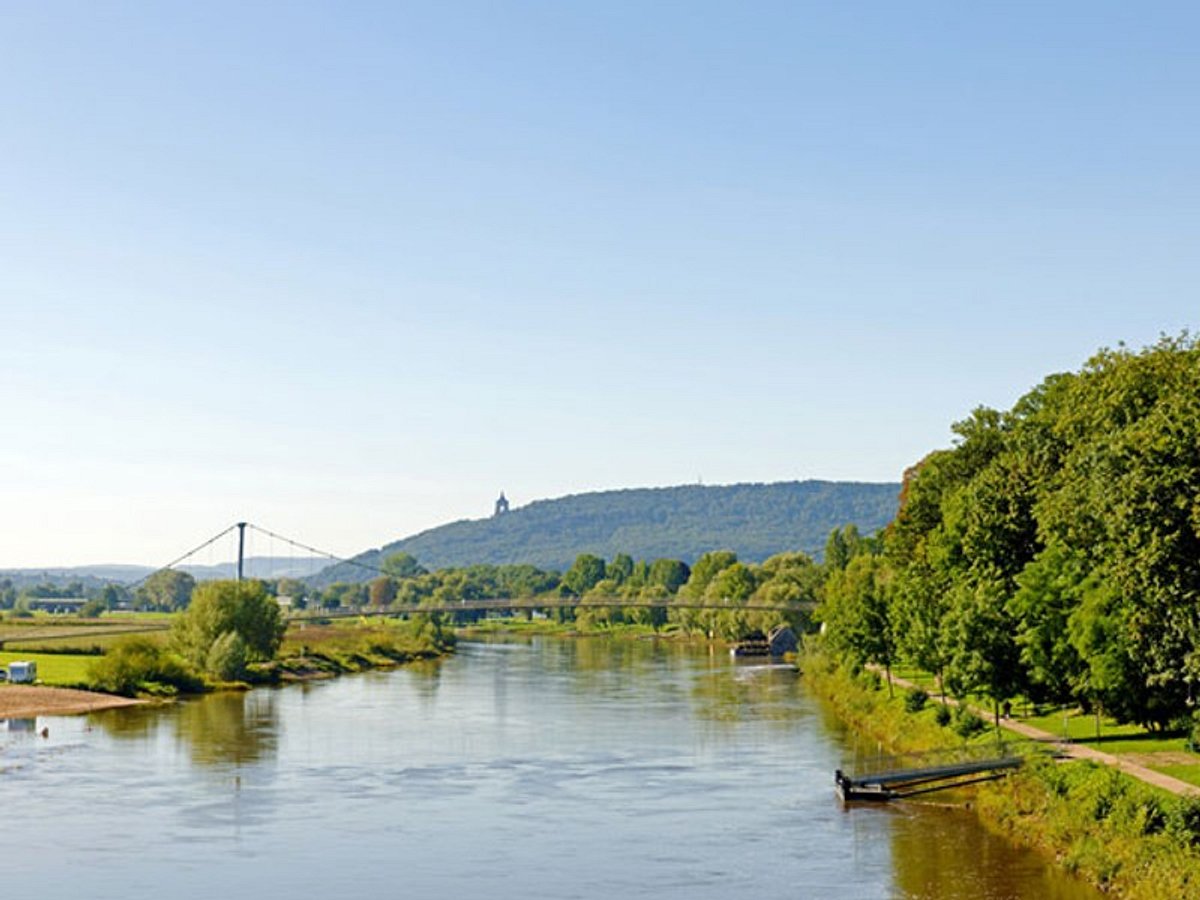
(1125, 836)
(860, 700)
(354, 647)
(915, 700)
(967, 724)
(138, 665)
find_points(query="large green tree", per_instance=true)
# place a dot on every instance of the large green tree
(228, 621)
(856, 612)
(166, 590)
(587, 571)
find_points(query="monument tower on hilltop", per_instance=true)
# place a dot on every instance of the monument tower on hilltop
(501, 505)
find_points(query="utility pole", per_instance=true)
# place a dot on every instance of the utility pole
(241, 526)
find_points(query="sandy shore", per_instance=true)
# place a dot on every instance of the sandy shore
(19, 701)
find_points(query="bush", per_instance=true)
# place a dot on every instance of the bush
(138, 665)
(1183, 821)
(227, 657)
(1189, 726)
(915, 699)
(967, 724)
(942, 716)
(869, 680)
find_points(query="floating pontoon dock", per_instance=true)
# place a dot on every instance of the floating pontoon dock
(909, 782)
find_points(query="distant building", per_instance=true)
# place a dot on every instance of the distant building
(501, 505)
(57, 605)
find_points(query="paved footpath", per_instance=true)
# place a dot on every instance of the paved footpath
(1079, 751)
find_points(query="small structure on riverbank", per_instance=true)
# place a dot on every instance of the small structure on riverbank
(783, 640)
(910, 782)
(780, 641)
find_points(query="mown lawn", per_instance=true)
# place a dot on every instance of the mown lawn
(57, 669)
(1168, 753)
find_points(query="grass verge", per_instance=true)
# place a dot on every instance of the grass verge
(55, 669)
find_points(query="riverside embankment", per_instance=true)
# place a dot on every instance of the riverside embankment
(1129, 838)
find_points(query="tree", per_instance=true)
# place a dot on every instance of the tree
(221, 608)
(620, 569)
(1050, 589)
(734, 583)
(919, 607)
(112, 595)
(705, 570)
(291, 587)
(842, 545)
(587, 571)
(166, 590)
(984, 656)
(857, 615)
(381, 591)
(671, 574)
(402, 565)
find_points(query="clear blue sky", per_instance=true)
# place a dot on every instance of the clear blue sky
(348, 269)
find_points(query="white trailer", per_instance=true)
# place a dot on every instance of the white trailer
(22, 672)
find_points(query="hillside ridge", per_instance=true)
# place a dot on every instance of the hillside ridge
(754, 519)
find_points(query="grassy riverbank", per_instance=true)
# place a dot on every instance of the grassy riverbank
(1127, 838)
(553, 628)
(140, 665)
(314, 651)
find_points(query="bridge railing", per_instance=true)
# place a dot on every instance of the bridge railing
(500, 604)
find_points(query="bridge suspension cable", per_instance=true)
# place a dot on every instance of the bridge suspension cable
(212, 540)
(319, 552)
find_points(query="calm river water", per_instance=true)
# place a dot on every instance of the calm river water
(533, 769)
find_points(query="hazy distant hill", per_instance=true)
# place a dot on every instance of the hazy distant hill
(99, 575)
(756, 520)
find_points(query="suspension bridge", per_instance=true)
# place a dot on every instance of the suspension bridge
(243, 534)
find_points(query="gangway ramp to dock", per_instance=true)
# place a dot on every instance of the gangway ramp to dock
(899, 783)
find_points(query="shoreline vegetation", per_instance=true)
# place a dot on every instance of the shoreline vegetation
(309, 651)
(1123, 836)
(231, 637)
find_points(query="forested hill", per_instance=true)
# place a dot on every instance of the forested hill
(755, 520)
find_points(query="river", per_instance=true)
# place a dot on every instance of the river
(538, 768)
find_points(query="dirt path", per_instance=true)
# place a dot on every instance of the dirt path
(1078, 751)
(19, 701)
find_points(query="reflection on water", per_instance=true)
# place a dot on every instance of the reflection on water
(229, 728)
(941, 852)
(535, 768)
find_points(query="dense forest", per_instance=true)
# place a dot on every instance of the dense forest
(1054, 551)
(755, 521)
